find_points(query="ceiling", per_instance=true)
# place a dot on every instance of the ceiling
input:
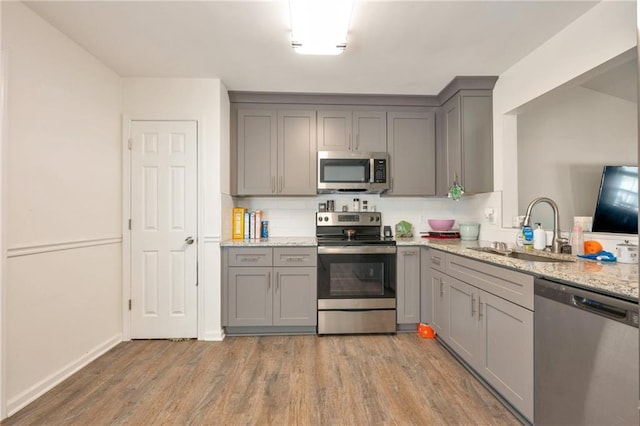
(393, 47)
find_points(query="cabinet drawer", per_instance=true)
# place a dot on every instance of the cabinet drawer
(436, 260)
(250, 257)
(295, 256)
(513, 286)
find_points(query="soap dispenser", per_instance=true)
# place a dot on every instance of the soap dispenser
(539, 237)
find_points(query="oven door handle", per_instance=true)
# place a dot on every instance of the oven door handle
(357, 250)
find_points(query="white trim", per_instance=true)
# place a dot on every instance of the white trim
(212, 336)
(126, 215)
(126, 232)
(20, 401)
(4, 57)
(59, 246)
(209, 239)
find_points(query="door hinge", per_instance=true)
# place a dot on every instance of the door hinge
(129, 304)
(130, 143)
(129, 224)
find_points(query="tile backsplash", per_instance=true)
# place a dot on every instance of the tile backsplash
(295, 216)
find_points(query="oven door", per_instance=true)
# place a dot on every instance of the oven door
(357, 272)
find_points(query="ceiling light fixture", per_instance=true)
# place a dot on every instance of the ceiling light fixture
(319, 27)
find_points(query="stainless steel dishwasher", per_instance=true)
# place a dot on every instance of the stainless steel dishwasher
(586, 357)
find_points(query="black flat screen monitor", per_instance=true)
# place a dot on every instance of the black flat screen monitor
(617, 205)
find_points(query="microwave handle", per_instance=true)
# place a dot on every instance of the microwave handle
(372, 172)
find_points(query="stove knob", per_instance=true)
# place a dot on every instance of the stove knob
(378, 219)
(371, 219)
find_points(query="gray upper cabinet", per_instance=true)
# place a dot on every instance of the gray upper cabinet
(297, 153)
(257, 151)
(346, 130)
(276, 152)
(411, 146)
(465, 142)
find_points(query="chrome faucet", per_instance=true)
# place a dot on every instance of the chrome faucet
(557, 241)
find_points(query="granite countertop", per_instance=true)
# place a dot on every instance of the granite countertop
(272, 242)
(618, 279)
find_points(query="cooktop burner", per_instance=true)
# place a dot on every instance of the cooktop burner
(350, 229)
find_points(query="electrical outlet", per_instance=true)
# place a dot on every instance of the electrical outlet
(489, 213)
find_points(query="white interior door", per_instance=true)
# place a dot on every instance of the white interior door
(163, 229)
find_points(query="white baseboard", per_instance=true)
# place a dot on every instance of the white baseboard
(212, 336)
(18, 402)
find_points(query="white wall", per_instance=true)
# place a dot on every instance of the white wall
(562, 146)
(207, 101)
(602, 33)
(62, 207)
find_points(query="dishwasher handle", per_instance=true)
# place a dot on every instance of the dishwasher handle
(613, 308)
(599, 308)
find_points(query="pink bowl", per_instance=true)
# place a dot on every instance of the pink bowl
(441, 224)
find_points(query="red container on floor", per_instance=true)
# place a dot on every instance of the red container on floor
(426, 331)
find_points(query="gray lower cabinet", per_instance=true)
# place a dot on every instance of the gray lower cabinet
(275, 151)
(408, 285)
(484, 313)
(411, 147)
(271, 286)
(465, 142)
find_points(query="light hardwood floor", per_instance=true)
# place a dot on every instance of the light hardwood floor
(281, 380)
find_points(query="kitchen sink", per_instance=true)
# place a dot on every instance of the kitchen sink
(519, 255)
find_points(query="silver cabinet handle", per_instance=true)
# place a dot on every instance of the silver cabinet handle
(294, 259)
(441, 287)
(273, 184)
(277, 281)
(473, 305)
(409, 253)
(435, 260)
(269, 280)
(189, 240)
(479, 309)
(357, 141)
(249, 259)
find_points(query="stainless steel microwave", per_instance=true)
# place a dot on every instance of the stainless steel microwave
(345, 171)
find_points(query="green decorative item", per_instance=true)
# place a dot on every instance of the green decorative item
(403, 229)
(456, 190)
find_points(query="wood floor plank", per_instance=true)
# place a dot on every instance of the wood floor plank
(271, 380)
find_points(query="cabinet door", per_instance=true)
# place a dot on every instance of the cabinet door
(463, 322)
(334, 131)
(452, 141)
(439, 304)
(250, 296)
(506, 350)
(297, 153)
(295, 296)
(477, 143)
(408, 285)
(426, 287)
(411, 144)
(370, 130)
(257, 152)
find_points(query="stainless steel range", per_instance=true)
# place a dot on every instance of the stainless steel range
(356, 274)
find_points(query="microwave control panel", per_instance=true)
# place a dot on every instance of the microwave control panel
(380, 171)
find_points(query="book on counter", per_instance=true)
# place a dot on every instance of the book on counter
(246, 224)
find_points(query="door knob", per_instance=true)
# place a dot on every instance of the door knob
(189, 240)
